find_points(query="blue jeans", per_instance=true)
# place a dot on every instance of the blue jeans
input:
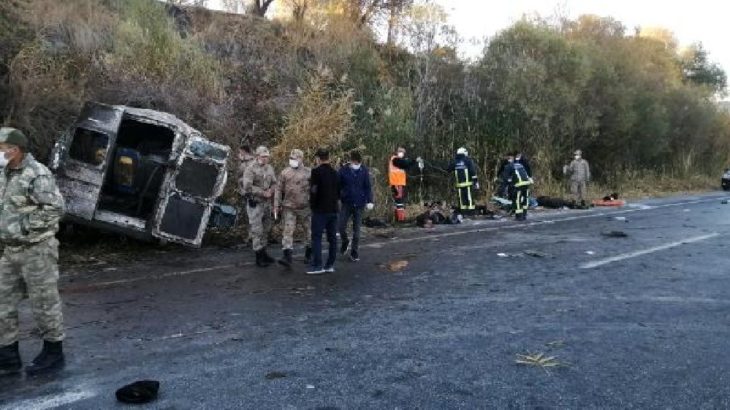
(347, 212)
(321, 223)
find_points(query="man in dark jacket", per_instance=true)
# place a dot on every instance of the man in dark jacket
(465, 175)
(323, 198)
(356, 194)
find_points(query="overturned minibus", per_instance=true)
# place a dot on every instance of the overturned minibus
(139, 172)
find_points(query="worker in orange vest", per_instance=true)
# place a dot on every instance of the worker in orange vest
(397, 167)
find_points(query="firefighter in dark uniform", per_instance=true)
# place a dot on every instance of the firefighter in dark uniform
(519, 183)
(466, 180)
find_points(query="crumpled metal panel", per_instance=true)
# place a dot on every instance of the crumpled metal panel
(81, 183)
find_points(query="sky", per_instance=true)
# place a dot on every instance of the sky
(692, 21)
(696, 21)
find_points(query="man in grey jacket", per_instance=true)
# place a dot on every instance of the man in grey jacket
(580, 174)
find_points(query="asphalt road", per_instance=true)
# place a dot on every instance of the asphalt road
(639, 321)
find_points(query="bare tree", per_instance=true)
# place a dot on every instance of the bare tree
(194, 3)
(298, 8)
(260, 7)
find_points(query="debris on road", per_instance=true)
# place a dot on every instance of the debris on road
(615, 234)
(396, 266)
(555, 344)
(590, 253)
(502, 255)
(275, 375)
(538, 360)
(537, 254)
(620, 218)
(725, 202)
(139, 392)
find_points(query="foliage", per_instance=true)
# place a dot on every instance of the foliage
(640, 107)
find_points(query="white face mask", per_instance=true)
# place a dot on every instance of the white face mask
(293, 163)
(401, 154)
(577, 157)
(3, 160)
(355, 166)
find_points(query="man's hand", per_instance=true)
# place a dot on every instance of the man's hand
(476, 186)
(370, 206)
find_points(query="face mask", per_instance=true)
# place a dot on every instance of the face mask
(401, 154)
(577, 157)
(3, 160)
(355, 166)
(293, 163)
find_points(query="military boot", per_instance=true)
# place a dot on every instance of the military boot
(260, 262)
(10, 360)
(50, 358)
(286, 260)
(307, 255)
(265, 255)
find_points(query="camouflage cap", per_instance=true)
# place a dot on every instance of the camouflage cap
(262, 151)
(297, 153)
(13, 136)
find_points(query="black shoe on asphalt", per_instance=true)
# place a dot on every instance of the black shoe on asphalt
(354, 257)
(50, 358)
(10, 360)
(308, 255)
(268, 259)
(260, 261)
(343, 247)
(286, 260)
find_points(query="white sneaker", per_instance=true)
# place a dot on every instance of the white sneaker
(315, 271)
(331, 269)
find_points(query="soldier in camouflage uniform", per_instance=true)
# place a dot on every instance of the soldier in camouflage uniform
(258, 186)
(30, 209)
(292, 198)
(245, 158)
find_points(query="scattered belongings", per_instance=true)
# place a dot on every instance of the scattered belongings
(139, 392)
(620, 218)
(396, 266)
(502, 203)
(615, 234)
(435, 215)
(725, 202)
(537, 254)
(609, 200)
(560, 203)
(371, 222)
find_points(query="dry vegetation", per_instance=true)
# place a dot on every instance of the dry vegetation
(648, 125)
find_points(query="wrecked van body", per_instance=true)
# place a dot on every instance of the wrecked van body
(139, 172)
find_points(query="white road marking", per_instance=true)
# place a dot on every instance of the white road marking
(52, 402)
(635, 254)
(160, 276)
(434, 237)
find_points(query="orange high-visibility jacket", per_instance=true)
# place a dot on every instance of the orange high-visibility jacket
(396, 176)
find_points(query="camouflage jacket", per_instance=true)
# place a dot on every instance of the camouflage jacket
(31, 204)
(292, 191)
(579, 170)
(256, 180)
(243, 164)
